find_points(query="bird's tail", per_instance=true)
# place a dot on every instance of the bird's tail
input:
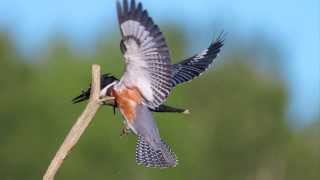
(146, 155)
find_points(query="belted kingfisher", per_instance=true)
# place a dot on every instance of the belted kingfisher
(147, 81)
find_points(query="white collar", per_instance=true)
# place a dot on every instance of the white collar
(104, 91)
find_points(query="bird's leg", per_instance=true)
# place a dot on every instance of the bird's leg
(114, 107)
(125, 129)
(114, 110)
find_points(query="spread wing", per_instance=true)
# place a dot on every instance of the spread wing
(194, 66)
(147, 58)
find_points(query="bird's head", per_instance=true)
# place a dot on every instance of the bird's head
(106, 80)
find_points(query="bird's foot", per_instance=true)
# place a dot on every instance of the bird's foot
(125, 131)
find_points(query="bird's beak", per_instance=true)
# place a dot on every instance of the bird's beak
(85, 95)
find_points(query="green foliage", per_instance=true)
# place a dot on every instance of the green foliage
(237, 128)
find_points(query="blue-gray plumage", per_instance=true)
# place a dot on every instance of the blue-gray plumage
(146, 53)
(151, 151)
(148, 80)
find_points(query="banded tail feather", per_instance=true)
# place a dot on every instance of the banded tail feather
(146, 155)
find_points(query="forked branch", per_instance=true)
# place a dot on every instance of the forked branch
(79, 127)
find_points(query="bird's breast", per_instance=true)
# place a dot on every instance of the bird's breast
(127, 99)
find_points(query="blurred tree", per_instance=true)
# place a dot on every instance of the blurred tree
(15, 91)
(243, 114)
(303, 157)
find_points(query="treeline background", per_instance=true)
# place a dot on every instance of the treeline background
(238, 127)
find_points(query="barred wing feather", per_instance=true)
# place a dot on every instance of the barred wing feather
(146, 54)
(193, 67)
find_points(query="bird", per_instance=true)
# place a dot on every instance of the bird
(184, 71)
(147, 81)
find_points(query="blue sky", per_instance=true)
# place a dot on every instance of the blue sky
(293, 24)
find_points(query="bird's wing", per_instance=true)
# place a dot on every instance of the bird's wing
(151, 150)
(147, 58)
(169, 109)
(194, 66)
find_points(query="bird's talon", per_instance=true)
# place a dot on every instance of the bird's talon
(124, 131)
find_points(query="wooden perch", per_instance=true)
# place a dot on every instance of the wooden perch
(81, 124)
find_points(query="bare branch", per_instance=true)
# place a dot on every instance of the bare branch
(79, 127)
